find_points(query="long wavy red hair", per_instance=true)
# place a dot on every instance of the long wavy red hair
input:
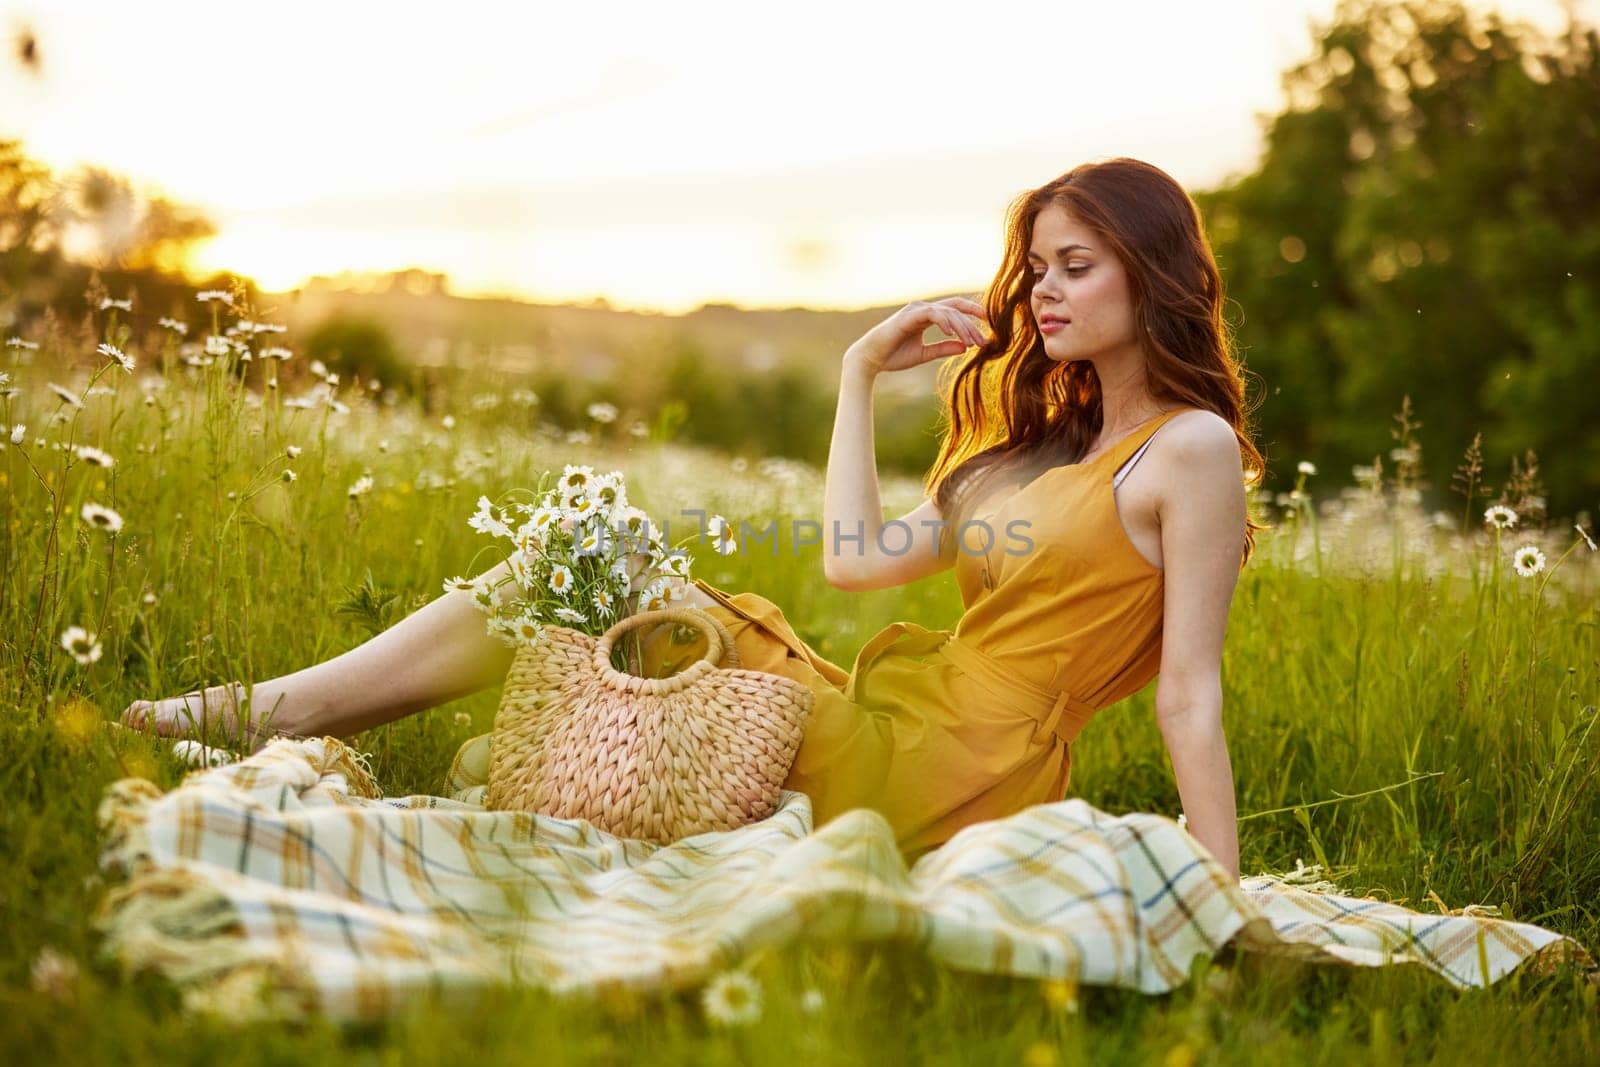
(1011, 412)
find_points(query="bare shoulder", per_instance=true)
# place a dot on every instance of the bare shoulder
(1200, 450)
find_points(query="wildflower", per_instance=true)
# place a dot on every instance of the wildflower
(1043, 1054)
(215, 294)
(173, 324)
(361, 486)
(196, 754)
(574, 482)
(288, 475)
(113, 352)
(485, 521)
(561, 579)
(604, 602)
(448, 422)
(54, 973)
(149, 599)
(1528, 560)
(93, 456)
(1061, 994)
(524, 397)
(722, 536)
(1307, 467)
(83, 645)
(526, 630)
(319, 368)
(462, 719)
(732, 998)
(1583, 534)
(592, 544)
(460, 584)
(125, 305)
(571, 615)
(67, 395)
(101, 518)
(578, 437)
(602, 412)
(216, 346)
(276, 352)
(1500, 517)
(19, 433)
(17, 342)
(811, 1001)
(293, 451)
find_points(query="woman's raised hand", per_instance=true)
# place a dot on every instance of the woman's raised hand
(896, 342)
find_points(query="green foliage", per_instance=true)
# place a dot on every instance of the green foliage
(1426, 220)
(354, 347)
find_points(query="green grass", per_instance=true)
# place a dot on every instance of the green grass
(1367, 647)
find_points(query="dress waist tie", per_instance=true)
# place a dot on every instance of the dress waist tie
(1059, 713)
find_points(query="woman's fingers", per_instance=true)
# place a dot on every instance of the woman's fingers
(952, 322)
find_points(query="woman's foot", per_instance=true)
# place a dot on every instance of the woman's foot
(216, 711)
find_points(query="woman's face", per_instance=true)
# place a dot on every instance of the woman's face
(1076, 278)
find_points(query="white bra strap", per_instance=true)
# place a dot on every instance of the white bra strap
(1128, 466)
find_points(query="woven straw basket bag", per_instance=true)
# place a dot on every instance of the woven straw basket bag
(656, 759)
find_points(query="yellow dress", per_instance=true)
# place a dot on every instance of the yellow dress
(937, 729)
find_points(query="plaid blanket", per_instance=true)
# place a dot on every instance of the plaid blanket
(286, 884)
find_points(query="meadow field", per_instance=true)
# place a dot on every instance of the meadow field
(1410, 699)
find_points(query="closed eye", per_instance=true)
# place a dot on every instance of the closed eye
(1072, 271)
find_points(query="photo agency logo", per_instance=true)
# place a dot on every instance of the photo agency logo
(895, 538)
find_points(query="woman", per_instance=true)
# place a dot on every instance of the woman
(1091, 553)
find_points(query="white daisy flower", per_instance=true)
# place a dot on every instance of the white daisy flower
(148, 600)
(561, 579)
(1528, 560)
(276, 352)
(293, 451)
(591, 544)
(524, 397)
(604, 603)
(656, 595)
(19, 433)
(93, 456)
(570, 615)
(545, 519)
(574, 481)
(462, 720)
(1307, 467)
(288, 475)
(459, 584)
(122, 358)
(196, 754)
(721, 533)
(172, 324)
(448, 422)
(583, 507)
(361, 486)
(101, 518)
(1500, 517)
(602, 412)
(732, 998)
(66, 395)
(17, 342)
(216, 346)
(125, 305)
(83, 645)
(484, 520)
(578, 437)
(526, 630)
(1585, 535)
(215, 294)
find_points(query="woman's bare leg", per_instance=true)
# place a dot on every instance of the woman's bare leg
(440, 652)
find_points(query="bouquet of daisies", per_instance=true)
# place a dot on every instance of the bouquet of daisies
(579, 553)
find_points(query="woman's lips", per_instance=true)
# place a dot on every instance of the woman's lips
(1051, 326)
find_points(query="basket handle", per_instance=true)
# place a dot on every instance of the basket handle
(718, 642)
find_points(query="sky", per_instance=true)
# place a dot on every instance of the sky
(659, 155)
